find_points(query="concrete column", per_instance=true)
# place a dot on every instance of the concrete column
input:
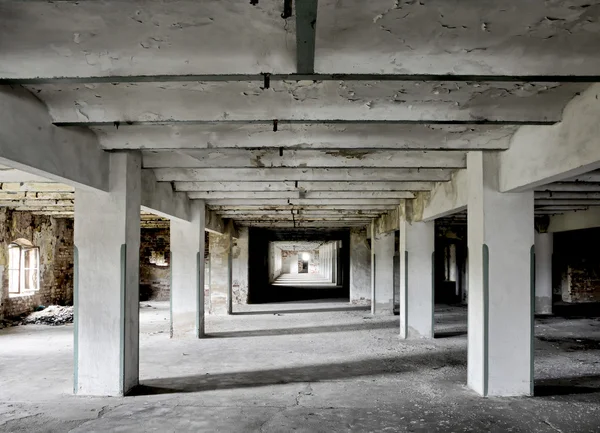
(360, 266)
(334, 258)
(328, 261)
(416, 278)
(220, 273)
(544, 244)
(187, 273)
(107, 262)
(500, 237)
(382, 301)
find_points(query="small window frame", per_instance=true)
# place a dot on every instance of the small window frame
(18, 275)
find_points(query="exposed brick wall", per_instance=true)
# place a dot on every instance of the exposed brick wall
(576, 265)
(583, 281)
(155, 280)
(54, 237)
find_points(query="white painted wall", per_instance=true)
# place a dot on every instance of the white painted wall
(290, 264)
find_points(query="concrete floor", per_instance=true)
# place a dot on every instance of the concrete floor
(304, 367)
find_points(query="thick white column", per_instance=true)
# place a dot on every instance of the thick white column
(544, 245)
(500, 237)
(187, 273)
(382, 301)
(416, 278)
(107, 262)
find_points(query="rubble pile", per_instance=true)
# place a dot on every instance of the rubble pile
(52, 315)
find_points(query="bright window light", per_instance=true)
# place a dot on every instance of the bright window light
(305, 257)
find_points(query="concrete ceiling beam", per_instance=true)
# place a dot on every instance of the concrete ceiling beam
(300, 174)
(321, 101)
(593, 176)
(244, 158)
(575, 220)
(583, 195)
(306, 186)
(541, 155)
(302, 202)
(160, 199)
(272, 77)
(571, 187)
(357, 207)
(544, 202)
(446, 198)
(295, 195)
(29, 142)
(312, 136)
(299, 224)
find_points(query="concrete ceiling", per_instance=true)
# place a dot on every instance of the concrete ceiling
(229, 103)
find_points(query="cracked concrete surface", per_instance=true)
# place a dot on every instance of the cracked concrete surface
(268, 370)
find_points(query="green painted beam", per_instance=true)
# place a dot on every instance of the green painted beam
(306, 26)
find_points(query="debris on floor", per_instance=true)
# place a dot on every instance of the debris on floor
(52, 315)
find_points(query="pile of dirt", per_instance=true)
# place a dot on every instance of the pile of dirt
(52, 315)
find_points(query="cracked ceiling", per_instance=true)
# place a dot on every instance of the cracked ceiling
(210, 92)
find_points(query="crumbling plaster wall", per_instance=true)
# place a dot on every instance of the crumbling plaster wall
(290, 261)
(360, 267)
(240, 255)
(54, 237)
(155, 264)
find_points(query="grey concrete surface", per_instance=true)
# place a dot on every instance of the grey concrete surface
(303, 367)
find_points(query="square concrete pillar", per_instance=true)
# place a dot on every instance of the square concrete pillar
(500, 238)
(417, 240)
(382, 291)
(220, 273)
(334, 259)
(187, 273)
(107, 263)
(544, 247)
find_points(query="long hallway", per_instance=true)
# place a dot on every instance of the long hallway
(303, 280)
(303, 366)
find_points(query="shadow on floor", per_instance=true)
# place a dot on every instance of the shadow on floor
(306, 330)
(449, 334)
(568, 310)
(308, 373)
(567, 386)
(305, 310)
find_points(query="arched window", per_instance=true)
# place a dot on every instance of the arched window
(23, 267)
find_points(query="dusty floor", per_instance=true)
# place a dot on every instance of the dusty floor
(282, 368)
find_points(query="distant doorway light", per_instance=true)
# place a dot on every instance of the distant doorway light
(305, 257)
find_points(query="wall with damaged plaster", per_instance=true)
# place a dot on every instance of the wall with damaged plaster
(360, 267)
(54, 237)
(155, 264)
(239, 254)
